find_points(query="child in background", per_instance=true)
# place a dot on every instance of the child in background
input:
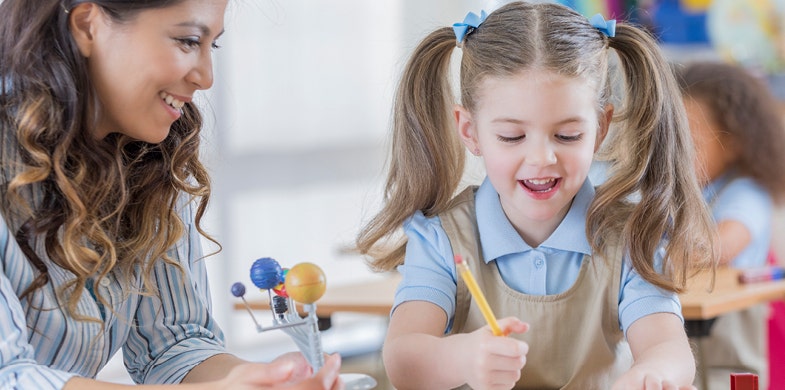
(739, 137)
(585, 268)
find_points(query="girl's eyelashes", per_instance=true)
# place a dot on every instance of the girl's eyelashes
(510, 139)
(560, 137)
(569, 138)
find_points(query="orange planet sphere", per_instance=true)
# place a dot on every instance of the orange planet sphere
(305, 283)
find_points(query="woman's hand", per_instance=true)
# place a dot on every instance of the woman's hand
(290, 371)
(493, 362)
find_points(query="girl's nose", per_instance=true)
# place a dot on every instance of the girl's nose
(540, 154)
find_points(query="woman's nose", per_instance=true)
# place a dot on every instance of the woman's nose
(202, 74)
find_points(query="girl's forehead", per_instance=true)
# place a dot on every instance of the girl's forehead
(535, 88)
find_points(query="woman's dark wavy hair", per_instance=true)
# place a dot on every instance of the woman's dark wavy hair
(98, 206)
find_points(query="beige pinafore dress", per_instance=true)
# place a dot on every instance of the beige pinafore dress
(575, 341)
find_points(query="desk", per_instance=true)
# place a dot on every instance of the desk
(701, 307)
(728, 295)
(698, 304)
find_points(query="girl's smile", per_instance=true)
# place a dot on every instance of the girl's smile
(540, 189)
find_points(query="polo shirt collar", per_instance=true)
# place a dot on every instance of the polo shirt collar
(499, 238)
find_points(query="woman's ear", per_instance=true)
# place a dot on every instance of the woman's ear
(82, 21)
(467, 129)
(606, 117)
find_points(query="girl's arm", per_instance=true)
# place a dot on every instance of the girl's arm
(661, 353)
(417, 355)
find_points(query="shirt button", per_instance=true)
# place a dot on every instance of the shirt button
(539, 263)
(105, 282)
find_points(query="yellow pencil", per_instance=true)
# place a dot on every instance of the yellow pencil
(478, 296)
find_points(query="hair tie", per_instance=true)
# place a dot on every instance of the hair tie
(607, 27)
(470, 23)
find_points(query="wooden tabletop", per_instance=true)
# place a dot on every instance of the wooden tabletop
(376, 296)
(728, 295)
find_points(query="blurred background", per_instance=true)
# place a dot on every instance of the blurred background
(300, 114)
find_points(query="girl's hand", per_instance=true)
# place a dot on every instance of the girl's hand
(289, 371)
(493, 362)
(639, 378)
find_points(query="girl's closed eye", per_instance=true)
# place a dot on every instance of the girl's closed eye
(503, 138)
(570, 137)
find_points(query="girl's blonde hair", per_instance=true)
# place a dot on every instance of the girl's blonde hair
(651, 193)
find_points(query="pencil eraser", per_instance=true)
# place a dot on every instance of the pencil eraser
(458, 259)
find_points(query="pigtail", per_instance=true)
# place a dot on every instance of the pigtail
(653, 156)
(427, 158)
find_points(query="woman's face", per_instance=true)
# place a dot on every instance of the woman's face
(144, 70)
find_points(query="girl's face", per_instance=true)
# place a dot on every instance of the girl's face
(537, 132)
(713, 151)
(145, 69)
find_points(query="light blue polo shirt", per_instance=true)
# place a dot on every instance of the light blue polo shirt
(552, 268)
(742, 199)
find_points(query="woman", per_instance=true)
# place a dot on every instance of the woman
(103, 194)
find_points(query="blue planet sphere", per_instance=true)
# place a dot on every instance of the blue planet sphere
(238, 289)
(266, 273)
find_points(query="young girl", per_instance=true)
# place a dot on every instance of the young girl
(102, 197)
(739, 136)
(583, 267)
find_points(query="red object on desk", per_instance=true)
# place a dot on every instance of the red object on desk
(743, 382)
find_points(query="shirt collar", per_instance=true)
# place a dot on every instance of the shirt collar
(498, 237)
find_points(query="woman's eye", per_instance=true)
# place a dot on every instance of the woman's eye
(189, 43)
(510, 139)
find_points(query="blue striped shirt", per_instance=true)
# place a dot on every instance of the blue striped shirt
(162, 336)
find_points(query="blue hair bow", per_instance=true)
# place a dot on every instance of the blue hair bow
(607, 27)
(470, 21)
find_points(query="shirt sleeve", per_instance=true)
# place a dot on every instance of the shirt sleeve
(639, 298)
(746, 202)
(174, 330)
(18, 367)
(427, 273)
